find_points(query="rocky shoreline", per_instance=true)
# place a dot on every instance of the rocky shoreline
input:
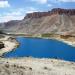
(9, 44)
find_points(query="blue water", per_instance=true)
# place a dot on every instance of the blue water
(43, 48)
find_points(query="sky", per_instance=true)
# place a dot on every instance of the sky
(17, 9)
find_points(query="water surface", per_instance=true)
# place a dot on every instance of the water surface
(43, 48)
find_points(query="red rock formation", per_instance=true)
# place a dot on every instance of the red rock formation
(53, 11)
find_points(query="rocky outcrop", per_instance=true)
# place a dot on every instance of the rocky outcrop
(1, 45)
(53, 11)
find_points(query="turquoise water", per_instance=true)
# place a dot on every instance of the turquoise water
(43, 48)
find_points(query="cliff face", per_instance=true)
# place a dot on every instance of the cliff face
(59, 21)
(49, 13)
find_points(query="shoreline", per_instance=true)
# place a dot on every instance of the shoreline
(69, 42)
(9, 45)
(31, 65)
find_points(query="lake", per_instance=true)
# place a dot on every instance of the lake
(42, 48)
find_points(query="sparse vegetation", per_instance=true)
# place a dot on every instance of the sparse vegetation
(47, 35)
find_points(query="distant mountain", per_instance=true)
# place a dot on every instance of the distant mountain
(59, 21)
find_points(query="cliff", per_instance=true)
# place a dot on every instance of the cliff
(58, 21)
(49, 13)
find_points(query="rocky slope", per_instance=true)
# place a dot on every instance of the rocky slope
(59, 21)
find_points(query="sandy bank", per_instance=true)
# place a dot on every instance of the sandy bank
(34, 66)
(9, 44)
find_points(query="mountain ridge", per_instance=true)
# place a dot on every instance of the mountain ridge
(49, 13)
(58, 21)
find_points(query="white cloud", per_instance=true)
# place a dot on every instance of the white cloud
(30, 10)
(4, 4)
(49, 5)
(8, 18)
(40, 1)
(16, 14)
(66, 0)
(13, 15)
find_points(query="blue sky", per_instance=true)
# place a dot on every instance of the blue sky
(17, 9)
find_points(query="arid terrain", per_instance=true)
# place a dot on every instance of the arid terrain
(34, 66)
(56, 24)
(8, 43)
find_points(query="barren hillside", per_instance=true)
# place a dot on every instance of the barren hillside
(59, 21)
